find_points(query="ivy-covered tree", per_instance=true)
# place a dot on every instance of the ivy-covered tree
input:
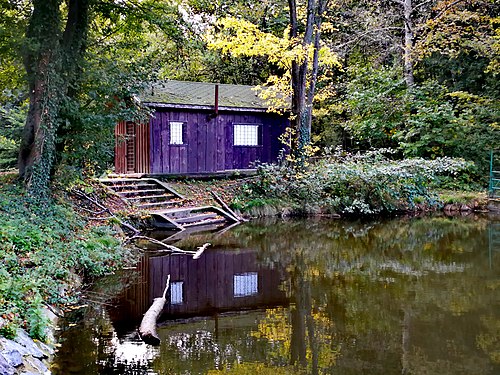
(84, 60)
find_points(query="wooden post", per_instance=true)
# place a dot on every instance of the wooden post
(226, 207)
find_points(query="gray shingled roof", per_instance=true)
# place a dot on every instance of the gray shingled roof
(182, 93)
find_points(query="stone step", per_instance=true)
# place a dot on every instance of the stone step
(156, 205)
(132, 187)
(196, 218)
(205, 222)
(151, 198)
(139, 192)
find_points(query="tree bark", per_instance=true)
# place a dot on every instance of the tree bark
(408, 43)
(303, 75)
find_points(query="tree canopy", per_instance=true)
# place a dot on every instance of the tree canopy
(418, 76)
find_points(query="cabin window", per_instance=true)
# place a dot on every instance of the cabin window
(245, 284)
(176, 133)
(247, 134)
(176, 293)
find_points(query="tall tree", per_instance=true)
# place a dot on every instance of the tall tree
(304, 71)
(298, 52)
(52, 56)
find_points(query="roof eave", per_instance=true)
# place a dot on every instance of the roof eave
(204, 107)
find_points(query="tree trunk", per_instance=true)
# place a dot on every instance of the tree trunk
(41, 66)
(303, 78)
(408, 43)
(50, 60)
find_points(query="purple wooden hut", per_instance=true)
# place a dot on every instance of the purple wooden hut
(199, 128)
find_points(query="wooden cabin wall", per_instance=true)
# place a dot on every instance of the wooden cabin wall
(120, 148)
(132, 147)
(208, 141)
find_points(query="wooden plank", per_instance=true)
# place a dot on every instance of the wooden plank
(210, 145)
(165, 157)
(156, 150)
(220, 149)
(192, 140)
(120, 148)
(228, 141)
(183, 116)
(201, 142)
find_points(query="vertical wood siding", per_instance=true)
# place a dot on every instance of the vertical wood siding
(120, 148)
(208, 141)
(132, 147)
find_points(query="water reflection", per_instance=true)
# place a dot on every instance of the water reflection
(411, 296)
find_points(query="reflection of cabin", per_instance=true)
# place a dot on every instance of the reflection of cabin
(218, 281)
(221, 280)
(198, 128)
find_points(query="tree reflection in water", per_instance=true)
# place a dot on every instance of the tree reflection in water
(409, 296)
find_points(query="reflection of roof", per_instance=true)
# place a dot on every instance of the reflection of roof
(184, 94)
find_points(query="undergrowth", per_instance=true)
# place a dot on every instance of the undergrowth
(45, 249)
(352, 184)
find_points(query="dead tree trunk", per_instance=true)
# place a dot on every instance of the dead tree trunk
(147, 329)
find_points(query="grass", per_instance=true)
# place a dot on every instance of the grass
(463, 197)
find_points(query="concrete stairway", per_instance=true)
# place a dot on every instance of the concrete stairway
(187, 217)
(165, 205)
(144, 193)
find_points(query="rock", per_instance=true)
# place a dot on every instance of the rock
(23, 339)
(37, 365)
(13, 357)
(46, 349)
(5, 367)
(10, 345)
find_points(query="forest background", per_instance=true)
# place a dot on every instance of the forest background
(417, 76)
(398, 80)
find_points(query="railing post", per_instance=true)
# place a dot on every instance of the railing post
(491, 190)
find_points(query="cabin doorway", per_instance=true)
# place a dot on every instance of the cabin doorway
(131, 148)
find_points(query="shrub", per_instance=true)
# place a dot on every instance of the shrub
(362, 183)
(43, 247)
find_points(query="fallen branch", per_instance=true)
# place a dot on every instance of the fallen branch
(196, 254)
(147, 329)
(226, 207)
(104, 209)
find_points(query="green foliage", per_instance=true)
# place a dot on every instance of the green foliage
(366, 184)
(43, 248)
(427, 120)
(376, 105)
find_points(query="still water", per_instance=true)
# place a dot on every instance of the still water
(401, 296)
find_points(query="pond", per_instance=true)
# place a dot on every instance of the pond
(401, 296)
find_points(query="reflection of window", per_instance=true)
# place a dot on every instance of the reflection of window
(245, 284)
(246, 135)
(176, 293)
(176, 133)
